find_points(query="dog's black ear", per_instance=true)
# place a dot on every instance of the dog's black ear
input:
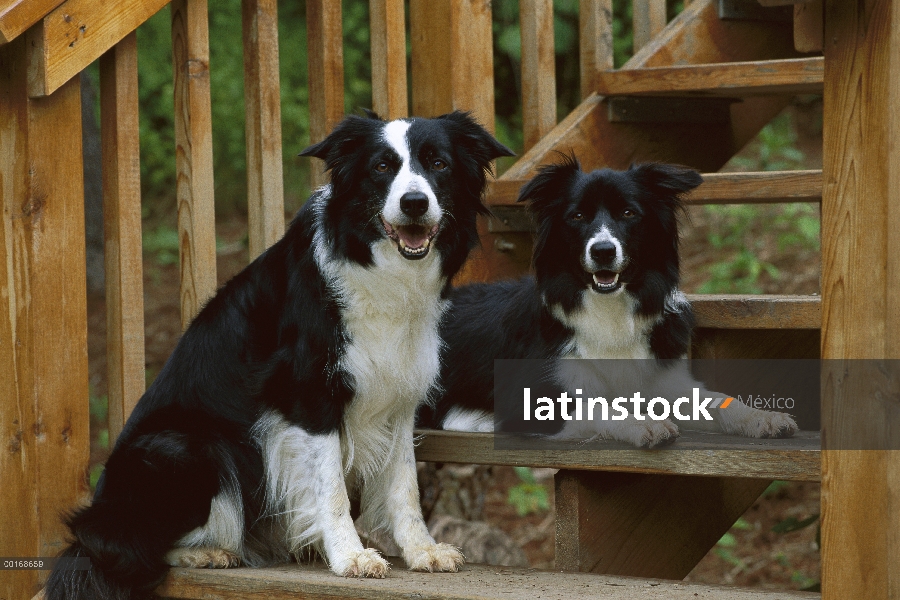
(344, 139)
(547, 188)
(371, 114)
(479, 144)
(666, 180)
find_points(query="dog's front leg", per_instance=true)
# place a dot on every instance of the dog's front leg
(343, 550)
(740, 419)
(392, 498)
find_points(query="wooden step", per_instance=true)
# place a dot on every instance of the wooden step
(759, 187)
(729, 80)
(473, 582)
(756, 311)
(701, 454)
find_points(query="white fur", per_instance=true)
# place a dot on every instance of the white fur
(462, 419)
(406, 179)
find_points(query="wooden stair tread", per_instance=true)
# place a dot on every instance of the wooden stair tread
(701, 454)
(471, 583)
(757, 311)
(758, 187)
(730, 80)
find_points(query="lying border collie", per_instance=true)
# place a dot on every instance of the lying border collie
(605, 287)
(300, 379)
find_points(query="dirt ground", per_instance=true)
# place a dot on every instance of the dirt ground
(752, 555)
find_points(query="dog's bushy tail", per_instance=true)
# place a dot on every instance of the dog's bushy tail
(119, 570)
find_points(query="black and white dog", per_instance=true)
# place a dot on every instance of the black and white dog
(605, 287)
(300, 379)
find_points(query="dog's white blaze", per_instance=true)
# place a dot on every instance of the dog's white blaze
(462, 419)
(406, 179)
(604, 235)
(606, 326)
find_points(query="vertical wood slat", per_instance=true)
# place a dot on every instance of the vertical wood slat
(262, 99)
(44, 423)
(326, 75)
(648, 18)
(538, 70)
(860, 305)
(388, 27)
(595, 41)
(193, 155)
(452, 58)
(809, 26)
(122, 230)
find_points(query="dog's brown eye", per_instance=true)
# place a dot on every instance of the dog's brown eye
(381, 167)
(628, 213)
(578, 216)
(438, 165)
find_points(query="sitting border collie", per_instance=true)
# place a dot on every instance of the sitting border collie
(300, 379)
(605, 287)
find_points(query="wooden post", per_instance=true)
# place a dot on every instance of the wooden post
(193, 155)
(388, 25)
(262, 99)
(648, 18)
(122, 230)
(538, 70)
(452, 58)
(860, 295)
(595, 39)
(43, 318)
(326, 75)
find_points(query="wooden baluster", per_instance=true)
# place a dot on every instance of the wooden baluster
(648, 18)
(193, 155)
(122, 230)
(326, 75)
(43, 318)
(388, 58)
(596, 41)
(538, 70)
(265, 178)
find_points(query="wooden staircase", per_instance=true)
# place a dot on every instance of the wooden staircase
(695, 92)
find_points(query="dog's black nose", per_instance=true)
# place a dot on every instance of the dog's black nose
(603, 253)
(414, 204)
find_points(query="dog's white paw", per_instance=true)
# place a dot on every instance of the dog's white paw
(202, 558)
(364, 563)
(763, 424)
(648, 433)
(434, 558)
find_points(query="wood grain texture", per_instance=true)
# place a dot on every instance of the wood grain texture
(473, 582)
(756, 311)
(860, 303)
(538, 70)
(262, 101)
(122, 230)
(44, 421)
(636, 525)
(16, 16)
(764, 187)
(595, 41)
(648, 18)
(793, 461)
(388, 27)
(737, 79)
(809, 26)
(193, 156)
(325, 52)
(452, 58)
(75, 34)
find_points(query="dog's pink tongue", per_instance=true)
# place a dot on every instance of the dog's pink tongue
(413, 236)
(605, 277)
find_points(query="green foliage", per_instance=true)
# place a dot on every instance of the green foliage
(723, 548)
(162, 243)
(775, 487)
(775, 148)
(793, 524)
(529, 496)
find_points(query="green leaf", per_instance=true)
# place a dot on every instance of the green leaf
(792, 524)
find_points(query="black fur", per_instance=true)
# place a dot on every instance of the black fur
(512, 319)
(269, 339)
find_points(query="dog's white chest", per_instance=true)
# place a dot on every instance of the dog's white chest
(390, 313)
(606, 326)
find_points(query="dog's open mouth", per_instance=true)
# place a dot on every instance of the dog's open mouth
(606, 282)
(413, 241)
